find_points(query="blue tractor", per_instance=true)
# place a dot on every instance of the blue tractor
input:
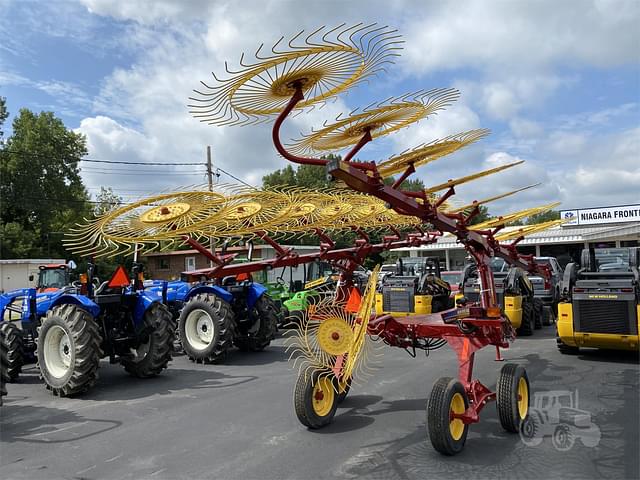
(72, 328)
(213, 316)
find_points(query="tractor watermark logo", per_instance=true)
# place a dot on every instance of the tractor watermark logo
(555, 414)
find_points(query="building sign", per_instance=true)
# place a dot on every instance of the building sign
(601, 215)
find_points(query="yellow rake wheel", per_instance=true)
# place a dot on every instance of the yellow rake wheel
(382, 119)
(148, 222)
(447, 402)
(512, 397)
(247, 214)
(315, 399)
(429, 152)
(335, 336)
(323, 63)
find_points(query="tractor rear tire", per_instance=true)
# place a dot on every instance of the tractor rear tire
(538, 312)
(68, 350)
(447, 435)
(528, 320)
(566, 349)
(154, 355)
(205, 328)
(264, 329)
(315, 399)
(512, 397)
(12, 340)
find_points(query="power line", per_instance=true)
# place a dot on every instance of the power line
(98, 160)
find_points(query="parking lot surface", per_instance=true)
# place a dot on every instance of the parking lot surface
(236, 421)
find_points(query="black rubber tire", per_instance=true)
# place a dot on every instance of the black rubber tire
(438, 416)
(222, 318)
(85, 339)
(264, 329)
(507, 397)
(527, 327)
(566, 349)
(538, 312)
(12, 340)
(159, 319)
(303, 402)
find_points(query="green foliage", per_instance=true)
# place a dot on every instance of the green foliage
(16, 241)
(543, 217)
(3, 114)
(483, 216)
(106, 200)
(41, 191)
(307, 176)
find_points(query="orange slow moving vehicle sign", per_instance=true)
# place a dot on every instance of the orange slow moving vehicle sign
(119, 278)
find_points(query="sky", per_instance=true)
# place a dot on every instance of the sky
(558, 84)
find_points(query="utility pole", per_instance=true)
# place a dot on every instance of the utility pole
(209, 169)
(212, 246)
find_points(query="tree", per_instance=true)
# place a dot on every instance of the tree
(106, 200)
(543, 217)
(308, 176)
(3, 115)
(483, 216)
(41, 191)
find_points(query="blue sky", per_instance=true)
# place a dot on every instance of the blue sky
(558, 83)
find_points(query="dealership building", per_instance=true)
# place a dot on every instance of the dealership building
(603, 227)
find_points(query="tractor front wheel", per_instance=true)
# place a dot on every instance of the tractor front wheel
(446, 432)
(69, 350)
(153, 355)
(512, 397)
(11, 337)
(205, 328)
(264, 328)
(315, 399)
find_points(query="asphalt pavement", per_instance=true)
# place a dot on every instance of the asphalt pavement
(236, 421)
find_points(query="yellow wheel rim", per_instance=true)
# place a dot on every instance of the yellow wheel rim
(323, 397)
(456, 425)
(243, 210)
(335, 336)
(165, 212)
(523, 398)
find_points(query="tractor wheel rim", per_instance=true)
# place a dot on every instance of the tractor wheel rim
(323, 397)
(523, 398)
(456, 425)
(199, 329)
(57, 351)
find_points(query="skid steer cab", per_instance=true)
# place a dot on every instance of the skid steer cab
(514, 294)
(600, 301)
(415, 288)
(117, 319)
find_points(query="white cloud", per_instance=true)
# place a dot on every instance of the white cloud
(522, 35)
(509, 58)
(567, 143)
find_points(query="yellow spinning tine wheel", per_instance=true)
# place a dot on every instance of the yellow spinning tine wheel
(381, 119)
(147, 223)
(324, 63)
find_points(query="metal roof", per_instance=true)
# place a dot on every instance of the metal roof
(553, 235)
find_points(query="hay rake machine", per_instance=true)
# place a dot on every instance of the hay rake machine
(331, 341)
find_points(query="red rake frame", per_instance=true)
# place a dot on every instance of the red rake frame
(467, 335)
